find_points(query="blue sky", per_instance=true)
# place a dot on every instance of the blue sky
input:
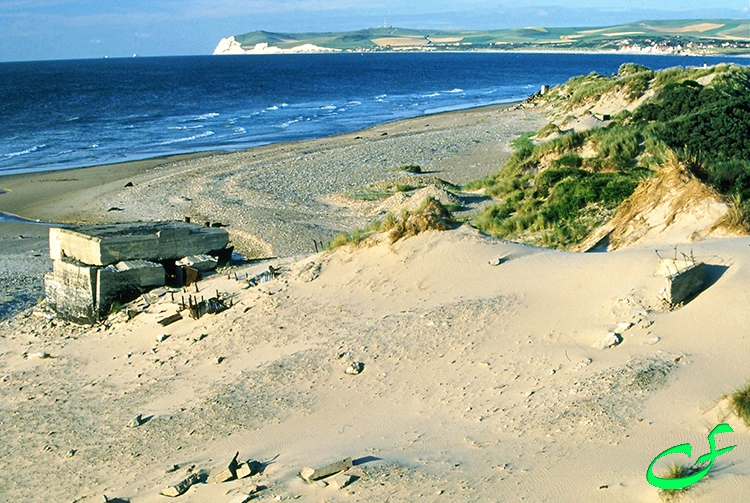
(66, 29)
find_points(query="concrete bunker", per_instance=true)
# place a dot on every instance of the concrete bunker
(97, 265)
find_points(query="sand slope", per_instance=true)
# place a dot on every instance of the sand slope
(481, 382)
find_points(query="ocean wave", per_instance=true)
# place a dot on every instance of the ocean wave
(276, 107)
(185, 128)
(189, 138)
(328, 107)
(431, 95)
(94, 145)
(72, 119)
(24, 152)
(381, 96)
(239, 130)
(289, 123)
(203, 117)
(455, 91)
(354, 103)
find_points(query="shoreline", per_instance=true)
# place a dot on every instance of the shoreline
(275, 199)
(153, 161)
(15, 198)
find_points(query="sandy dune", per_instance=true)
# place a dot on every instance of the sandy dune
(481, 382)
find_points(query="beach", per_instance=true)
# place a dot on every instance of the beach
(483, 375)
(276, 200)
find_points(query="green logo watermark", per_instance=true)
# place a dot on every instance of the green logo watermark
(710, 457)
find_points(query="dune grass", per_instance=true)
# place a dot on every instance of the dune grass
(555, 192)
(431, 215)
(677, 471)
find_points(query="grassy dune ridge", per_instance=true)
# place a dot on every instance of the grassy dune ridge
(567, 179)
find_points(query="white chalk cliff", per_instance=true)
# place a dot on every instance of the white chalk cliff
(230, 46)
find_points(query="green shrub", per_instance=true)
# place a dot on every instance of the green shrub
(568, 160)
(411, 168)
(547, 130)
(632, 69)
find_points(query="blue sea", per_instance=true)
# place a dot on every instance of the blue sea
(67, 114)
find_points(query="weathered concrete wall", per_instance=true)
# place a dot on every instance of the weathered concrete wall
(111, 243)
(684, 284)
(124, 281)
(202, 263)
(70, 290)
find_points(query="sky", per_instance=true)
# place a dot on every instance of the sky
(71, 29)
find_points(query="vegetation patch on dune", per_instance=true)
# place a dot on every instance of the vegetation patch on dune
(740, 403)
(555, 192)
(430, 215)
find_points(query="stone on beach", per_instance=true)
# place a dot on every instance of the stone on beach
(312, 474)
(611, 340)
(340, 481)
(355, 368)
(182, 486)
(136, 421)
(228, 473)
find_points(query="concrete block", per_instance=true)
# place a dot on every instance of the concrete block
(202, 263)
(71, 291)
(182, 486)
(111, 243)
(340, 481)
(669, 267)
(311, 474)
(124, 281)
(684, 284)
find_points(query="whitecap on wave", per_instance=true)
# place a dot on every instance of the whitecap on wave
(455, 91)
(189, 138)
(24, 152)
(203, 117)
(185, 128)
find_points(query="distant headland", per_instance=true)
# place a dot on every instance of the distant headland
(689, 37)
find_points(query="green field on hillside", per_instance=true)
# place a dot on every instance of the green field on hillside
(718, 35)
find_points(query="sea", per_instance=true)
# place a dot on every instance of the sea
(68, 114)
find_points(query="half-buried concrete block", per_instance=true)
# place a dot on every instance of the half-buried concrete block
(683, 284)
(124, 281)
(312, 474)
(111, 243)
(70, 290)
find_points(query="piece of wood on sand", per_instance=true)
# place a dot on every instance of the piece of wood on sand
(312, 474)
